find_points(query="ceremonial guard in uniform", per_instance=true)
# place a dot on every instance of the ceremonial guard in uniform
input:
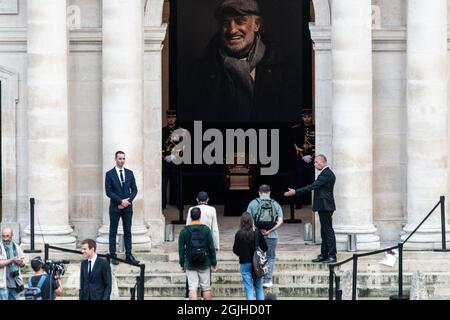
(170, 150)
(303, 137)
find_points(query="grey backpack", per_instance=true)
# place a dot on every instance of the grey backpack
(266, 216)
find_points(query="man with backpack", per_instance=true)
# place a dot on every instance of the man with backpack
(42, 286)
(208, 217)
(268, 216)
(197, 255)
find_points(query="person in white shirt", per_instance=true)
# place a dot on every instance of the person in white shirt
(208, 216)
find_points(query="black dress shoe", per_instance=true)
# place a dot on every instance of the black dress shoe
(319, 259)
(330, 260)
(132, 259)
(114, 261)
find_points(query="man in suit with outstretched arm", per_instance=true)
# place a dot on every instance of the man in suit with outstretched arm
(324, 204)
(121, 189)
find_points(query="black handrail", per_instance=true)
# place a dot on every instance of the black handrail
(139, 280)
(399, 246)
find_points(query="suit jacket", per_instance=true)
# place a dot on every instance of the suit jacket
(323, 191)
(96, 286)
(116, 193)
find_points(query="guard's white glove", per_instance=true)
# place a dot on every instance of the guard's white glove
(168, 158)
(307, 158)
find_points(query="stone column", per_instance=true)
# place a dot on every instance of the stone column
(427, 148)
(48, 146)
(154, 36)
(122, 113)
(352, 163)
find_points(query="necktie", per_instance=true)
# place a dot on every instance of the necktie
(122, 180)
(90, 267)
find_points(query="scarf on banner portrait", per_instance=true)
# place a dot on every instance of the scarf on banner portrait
(239, 72)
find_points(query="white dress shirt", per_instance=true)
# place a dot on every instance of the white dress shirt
(123, 173)
(93, 259)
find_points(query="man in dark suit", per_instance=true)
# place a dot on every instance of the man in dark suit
(95, 274)
(324, 204)
(121, 188)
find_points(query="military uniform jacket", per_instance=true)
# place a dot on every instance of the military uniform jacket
(303, 138)
(167, 144)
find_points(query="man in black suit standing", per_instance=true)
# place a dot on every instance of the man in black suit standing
(95, 274)
(324, 204)
(121, 188)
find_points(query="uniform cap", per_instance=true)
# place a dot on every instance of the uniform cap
(171, 113)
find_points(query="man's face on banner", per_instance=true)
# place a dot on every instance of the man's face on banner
(238, 33)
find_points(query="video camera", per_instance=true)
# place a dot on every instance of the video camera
(56, 268)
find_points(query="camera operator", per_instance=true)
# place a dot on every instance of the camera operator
(11, 260)
(56, 283)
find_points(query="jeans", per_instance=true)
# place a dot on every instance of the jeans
(3, 294)
(271, 247)
(13, 294)
(251, 283)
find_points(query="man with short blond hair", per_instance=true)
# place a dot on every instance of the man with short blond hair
(324, 204)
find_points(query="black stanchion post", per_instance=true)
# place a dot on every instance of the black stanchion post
(180, 199)
(32, 249)
(444, 236)
(141, 290)
(338, 288)
(292, 205)
(330, 282)
(400, 295)
(355, 276)
(46, 251)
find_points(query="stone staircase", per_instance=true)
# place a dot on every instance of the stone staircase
(295, 277)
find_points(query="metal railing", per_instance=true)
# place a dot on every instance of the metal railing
(400, 296)
(140, 280)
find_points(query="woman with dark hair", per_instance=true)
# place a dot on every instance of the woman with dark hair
(244, 247)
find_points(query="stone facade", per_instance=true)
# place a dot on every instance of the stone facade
(389, 173)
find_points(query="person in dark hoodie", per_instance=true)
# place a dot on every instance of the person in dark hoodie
(244, 247)
(242, 75)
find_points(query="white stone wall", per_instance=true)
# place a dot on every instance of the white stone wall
(85, 105)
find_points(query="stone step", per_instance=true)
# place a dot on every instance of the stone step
(237, 290)
(304, 254)
(280, 265)
(286, 278)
